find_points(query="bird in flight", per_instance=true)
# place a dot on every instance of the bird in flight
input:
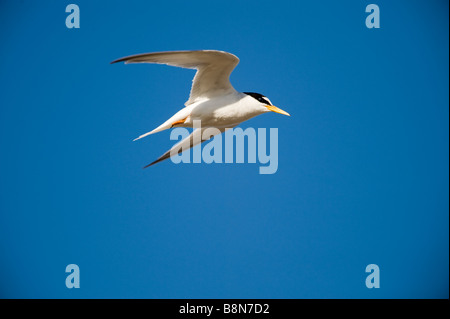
(212, 100)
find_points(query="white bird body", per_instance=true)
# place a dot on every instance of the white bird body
(224, 111)
(213, 100)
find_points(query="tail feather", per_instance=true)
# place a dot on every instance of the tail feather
(160, 128)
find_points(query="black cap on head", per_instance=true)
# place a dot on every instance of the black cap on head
(261, 98)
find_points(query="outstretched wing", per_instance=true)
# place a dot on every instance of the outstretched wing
(213, 69)
(196, 137)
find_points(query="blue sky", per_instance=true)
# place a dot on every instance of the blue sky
(362, 162)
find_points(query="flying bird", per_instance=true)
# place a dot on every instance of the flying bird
(212, 100)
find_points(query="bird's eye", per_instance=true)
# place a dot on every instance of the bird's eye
(263, 100)
(259, 97)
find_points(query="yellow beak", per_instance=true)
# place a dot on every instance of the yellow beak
(277, 110)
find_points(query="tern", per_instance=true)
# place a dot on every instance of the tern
(212, 100)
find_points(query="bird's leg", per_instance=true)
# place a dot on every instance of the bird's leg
(178, 122)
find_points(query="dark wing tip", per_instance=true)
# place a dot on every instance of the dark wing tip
(153, 163)
(118, 60)
(130, 58)
(162, 158)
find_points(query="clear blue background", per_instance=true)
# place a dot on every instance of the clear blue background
(363, 171)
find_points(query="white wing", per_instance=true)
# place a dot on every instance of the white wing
(196, 137)
(213, 69)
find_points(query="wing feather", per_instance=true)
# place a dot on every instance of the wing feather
(213, 69)
(196, 137)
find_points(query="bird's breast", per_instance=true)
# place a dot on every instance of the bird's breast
(222, 112)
